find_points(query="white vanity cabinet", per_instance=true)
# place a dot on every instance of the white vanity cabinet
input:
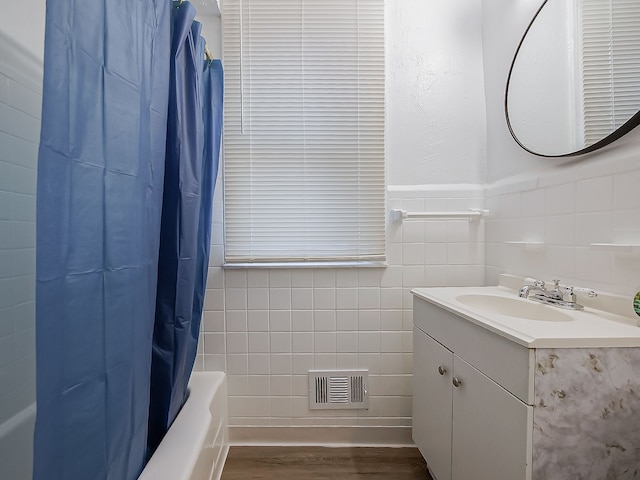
(432, 402)
(472, 413)
(540, 395)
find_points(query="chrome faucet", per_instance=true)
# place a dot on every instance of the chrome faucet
(536, 286)
(559, 296)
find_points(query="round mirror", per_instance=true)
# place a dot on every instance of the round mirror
(574, 83)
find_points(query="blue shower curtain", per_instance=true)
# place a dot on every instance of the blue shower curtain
(105, 211)
(100, 181)
(190, 168)
(213, 81)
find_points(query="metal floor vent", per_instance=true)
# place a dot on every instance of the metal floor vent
(338, 389)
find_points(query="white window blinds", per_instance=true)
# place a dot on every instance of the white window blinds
(304, 130)
(610, 39)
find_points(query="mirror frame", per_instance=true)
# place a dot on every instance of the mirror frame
(625, 128)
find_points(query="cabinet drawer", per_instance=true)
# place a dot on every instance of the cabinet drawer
(506, 362)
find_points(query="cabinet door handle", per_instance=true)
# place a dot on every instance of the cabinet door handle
(442, 370)
(456, 382)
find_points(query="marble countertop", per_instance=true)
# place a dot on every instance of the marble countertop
(591, 327)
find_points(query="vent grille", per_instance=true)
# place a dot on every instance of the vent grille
(338, 389)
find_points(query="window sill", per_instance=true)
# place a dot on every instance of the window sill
(273, 265)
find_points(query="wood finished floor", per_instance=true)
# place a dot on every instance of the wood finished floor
(322, 463)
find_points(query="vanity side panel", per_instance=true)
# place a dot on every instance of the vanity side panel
(586, 414)
(501, 359)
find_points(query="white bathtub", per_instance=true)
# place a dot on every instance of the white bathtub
(16, 445)
(196, 445)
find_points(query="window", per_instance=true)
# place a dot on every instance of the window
(304, 130)
(610, 40)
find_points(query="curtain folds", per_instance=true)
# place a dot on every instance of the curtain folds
(99, 197)
(128, 158)
(186, 217)
(213, 81)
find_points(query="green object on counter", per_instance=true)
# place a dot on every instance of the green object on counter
(636, 303)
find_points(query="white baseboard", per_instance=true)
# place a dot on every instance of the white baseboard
(321, 436)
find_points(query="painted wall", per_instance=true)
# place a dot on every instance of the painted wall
(435, 98)
(565, 204)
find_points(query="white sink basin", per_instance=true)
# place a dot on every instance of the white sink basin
(513, 307)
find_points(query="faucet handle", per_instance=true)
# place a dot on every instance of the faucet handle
(590, 293)
(534, 282)
(568, 294)
(568, 290)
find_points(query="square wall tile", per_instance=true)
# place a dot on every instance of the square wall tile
(324, 278)
(258, 320)
(325, 342)
(257, 298)
(236, 342)
(259, 364)
(369, 342)
(594, 195)
(258, 342)
(302, 342)
(324, 298)
(280, 298)
(280, 342)
(392, 276)
(214, 343)
(281, 364)
(560, 199)
(625, 190)
(280, 278)
(391, 320)
(369, 298)
(324, 321)
(347, 277)
(257, 278)
(413, 253)
(302, 277)
(390, 298)
(560, 229)
(236, 320)
(302, 298)
(258, 385)
(346, 298)
(236, 278)
(280, 321)
(302, 320)
(347, 320)
(236, 298)
(280, 385)
(347, 342)
(369, 320)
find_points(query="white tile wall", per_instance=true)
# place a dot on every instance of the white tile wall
(20, 100)
(280, 323)
(568, 208)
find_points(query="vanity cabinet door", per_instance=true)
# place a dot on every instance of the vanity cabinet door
(491, 438)
(432, 373)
